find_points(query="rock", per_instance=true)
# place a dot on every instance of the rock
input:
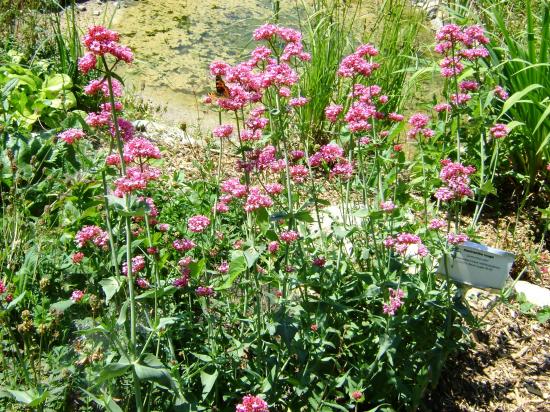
(81, 7)
(534, 294)
(163, 133)
(97, 13)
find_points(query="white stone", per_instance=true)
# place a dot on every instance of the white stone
(534, 294)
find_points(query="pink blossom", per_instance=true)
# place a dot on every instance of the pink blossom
(265, 32)
(499, 131)
(256, 200)
(458, 99)
(87, 63)
(223, 267)
(198, 223)
(456, 238)
(395, 117)
(501, 93)
(343, 170)
(442, 107)
(69, 136)
(96, 86)
(297, 155)
(469, 85)
(98, 119)
(419, 120)
(3, 288)
(77, 296)
(289, 236)
(357, 395)
(274, 188)
(125, 128)
(225, 130)
(252, 404)
(355, 64)
(183, 245)
(451, 33)
(273, 247)
(451, 66)
(205, 291)
(299, 173)
(364, 140)
(333, 111)
(298, 102)
(163, 227)
(219, 68)
(233, 187)
(142, 283)
(319, 261)
(182, 281)
(93, 234)
(456, 178)
(395, 301)
(77, 257)
(436, 224)
(475, 53)
(284, 92)
(138, 264)
(387, 206)
(474, 34)
(141, 148)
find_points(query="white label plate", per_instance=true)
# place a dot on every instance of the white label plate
(478, 265)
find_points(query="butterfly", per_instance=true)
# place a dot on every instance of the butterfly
(221, 89)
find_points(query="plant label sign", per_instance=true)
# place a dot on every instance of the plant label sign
(478, 265)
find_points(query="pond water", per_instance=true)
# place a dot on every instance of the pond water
(175, 40)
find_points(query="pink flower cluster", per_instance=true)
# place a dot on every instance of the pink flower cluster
(456, 179)
(93, 234)
(387, 206)
(139, 150)
(252, 404)
(457, 238)
(406, 244)
(418, 123)
(332, 156)
(183, 245)
(2, 287)
(101, 41)
(436, 224)
(136, 178)
(356, 63)
(255, 197)
(205, 291)
(77, 296)
(395, 301)
(198, 224)
(289, 236)
(499, 130)
(138, 264)
(70, 136)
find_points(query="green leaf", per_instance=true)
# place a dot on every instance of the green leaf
(236, 267)
(62, 305)
(14, 302)
(57, 83)
(304, 216)
(204, 358)
(251, 255)
(208, 380)
(113, 370)
(110, 287)
(516, 97)
(30, 397)
(197, 268)
(163, 322)
(153, 370)
(123, 314)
